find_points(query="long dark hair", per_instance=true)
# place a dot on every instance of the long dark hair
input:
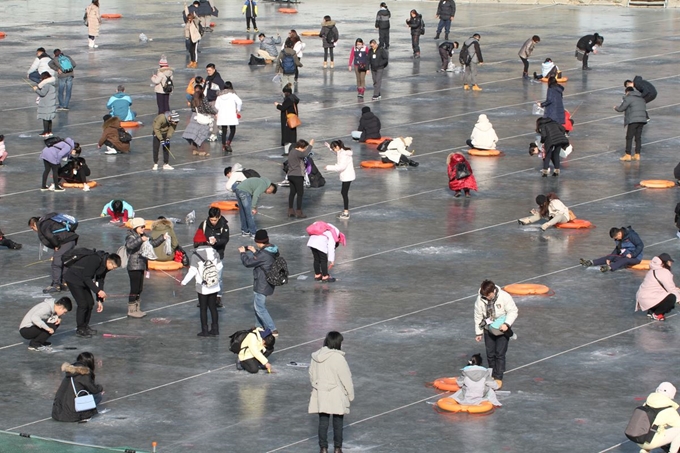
(339, 144)
(543, 209)
(294, 37)
(197, 98)
(87, 359)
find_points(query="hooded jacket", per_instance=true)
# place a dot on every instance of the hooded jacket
(635, 108)
(329, 34)
(382, 19)
(470, 183)
(64, 406)
(89, 271)
(667, 418)
(133, 245)
(547, 67)
(162, 128)
(483, 135)
(270, 45)
(253, 348)
(554, 107)
(159, 79)
(378, 58)
(629, 243)
(47, 104)
(55, 153)
(446, 9)
(503, 306)
(235, 177)
(415, 23)
(46, 227)
(397, 148)
(552, 133)
(325, 243)
(220, 231)
(110, 133)
(260, 262)
(658, 284)
(646, 89)
(476, 386)
(206, 253)
(228, 105)
(159, 228)
(474, 51)
(42, 64)
(331, 379)
(119, 105)
(344, 165)
(369, 126)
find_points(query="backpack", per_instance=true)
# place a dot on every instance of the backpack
(641, 427)
(124, 256)
(51, 141)
(65, 63)
(209, 274)
(73, 255)
(277, 274)
(256, 61)
(422, 26)
(464, 55)
(250, 173)
(68, 222)
(124, 136)
(316, 179)
(236, 338)
(288, 64)
(462, 171)
(382, 147)
(168, 85)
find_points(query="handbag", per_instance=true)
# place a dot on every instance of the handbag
(124, 136)
(564, 152)
(204, 119)
(292, 119)
(85, 402)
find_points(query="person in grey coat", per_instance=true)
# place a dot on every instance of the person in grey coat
(382, 23)
(47, 102)
(268, 46)
(635, 118)
(65, 77)
(137, 263)
(474, 58)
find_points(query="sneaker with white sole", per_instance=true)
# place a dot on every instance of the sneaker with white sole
(155, 167)
(168, 167)
(86, 188)
(40, 348)
(343, 216)
(51, 187)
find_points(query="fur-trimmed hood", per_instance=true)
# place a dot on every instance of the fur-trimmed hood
(456, 157)
(75, 369)
(327, 23)
(162, 224)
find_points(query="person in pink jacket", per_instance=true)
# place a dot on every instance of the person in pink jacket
(324, 238)
(345, 167)
(657, 293)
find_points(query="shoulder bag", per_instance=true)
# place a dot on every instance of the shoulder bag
(85, 402)
(292, 119)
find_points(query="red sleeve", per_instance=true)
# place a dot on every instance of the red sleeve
(125, 215)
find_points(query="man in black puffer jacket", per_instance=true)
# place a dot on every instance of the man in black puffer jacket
(216, 230)
(382, 23)
(369, 126)
(446, 10)
(58, 237)
(646, 89)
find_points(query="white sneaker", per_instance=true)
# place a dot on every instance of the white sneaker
(168, 167)
(155, 167)
(678, 234)
(37, 100)
(110, 150)
(86, 188)
(51, 187)
(212, 138)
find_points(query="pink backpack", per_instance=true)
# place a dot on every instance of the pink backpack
(319, 227)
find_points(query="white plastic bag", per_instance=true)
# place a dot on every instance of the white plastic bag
(190, 218)
(277, 78)
(537, 110)
(168, 246)
(564, 152)
(147, 251)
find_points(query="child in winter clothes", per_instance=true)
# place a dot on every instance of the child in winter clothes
(76, 169)
(548, 69)
(549, 207)
(55, 150)
(358, 60)
(324, 238)
(628, 251)
(397, 152)
(10, 244)
(344, 166)
(483, 135)
(3, 151)
(118, 210)
(457, 165)
(476, 384)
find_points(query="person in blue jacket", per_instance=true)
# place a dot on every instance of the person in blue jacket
(628, 251)
(119, 105)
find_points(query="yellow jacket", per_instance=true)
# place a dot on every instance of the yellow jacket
(667, 418)
(252, 346)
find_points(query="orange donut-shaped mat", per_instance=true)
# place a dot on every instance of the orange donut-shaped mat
(111, 16)
(525, 289)
(288, 11)
(484, 152)
(130, 124)
(451, 405)
(560, 80)
(164, 265)
(450, 384)
(2, 35)
(641, 266)
(78, 185)
(376, 164)
(243, 42)
(657, 184)
(310, 33)
(225, 205)
(575, 224)
(376, 141)
(147, 224)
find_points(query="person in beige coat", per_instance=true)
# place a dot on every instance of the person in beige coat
(192, 35)
(94, 20)
(332, 389)
(161, 80)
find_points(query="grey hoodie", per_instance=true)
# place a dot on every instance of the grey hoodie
(476, 385)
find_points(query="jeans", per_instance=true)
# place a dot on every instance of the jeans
(496, 347)
(616, 261)
(37, 335)
(57, 265)
(262, 317)
(525, 62)
(64, 91)
(444, 24)
(34, 77)
(634, 130)
(470, 76)
(324, 422)
(245, 206)
(415, 42)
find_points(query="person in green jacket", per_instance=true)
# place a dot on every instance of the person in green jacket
(248, 193)
(164, 126)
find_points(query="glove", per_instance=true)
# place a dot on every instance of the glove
(166, 143)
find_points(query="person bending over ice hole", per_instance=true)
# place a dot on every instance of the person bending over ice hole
(76, 170)
(525, 52)
(253, 347)
(397, 152)
(118, 210)
(79, 378)
(460, 175)
(476, 384)
(483, 135)
(666, 419)
(324, 238)
(41, 321)
(548, 69)
(628, 251)
(657, 293)
(237, 174)
(495, 313)
(446, 50)
(549, 207)
(554, 139)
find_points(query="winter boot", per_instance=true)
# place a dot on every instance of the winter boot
(132, 310)
(332, 64)
(139, 310)
(556, 172)
(291, 212)
(626, 158)
(325, 65)
(204, 331)
(227, 147)
(299, 214)
(437, 36)
(544, 173)
(446, 37)
(214, 331)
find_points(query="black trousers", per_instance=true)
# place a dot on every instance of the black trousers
(320, 262)
(205, 302)
(85, 302)
(326, 51)
(496, 347)
(345, 194)
(552, 155)
(49, 167)
(136, 285)
(634, 130)
(384, 37)
(232, 132)
(37, 335)
(444, 55)
(252, 366)
(163, 102)
(248, 20)
(415, 42)
(663, 307)
(156, 150)
(525, 62)
(192, 48)
(47, 126)
(324, 422)
(297, 187)
(585, 59)
(10, 244)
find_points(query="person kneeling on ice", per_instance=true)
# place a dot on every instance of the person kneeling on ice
(666, 420)
(628, 251)
(460, 175)
(324, 238)
(483, 135)
(397, 152)
(253, 347)
(549, 207)
(118, 210)
(76, 169)
(548, 69)
(657, 293)
(476, 384)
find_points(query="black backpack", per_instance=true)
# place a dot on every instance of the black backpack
(256, 61)
(641, 427)
(382, 147)
(422, 26)
(250, 173)
(72, 256)
(168, 85)
(462, 170)
(124, 136)
(464, 56)
(237, 338)
(316, 179)
(277, 275)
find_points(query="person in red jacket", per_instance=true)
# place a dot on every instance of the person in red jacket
(460, 175)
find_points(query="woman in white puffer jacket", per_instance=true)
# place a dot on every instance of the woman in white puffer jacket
(344, 166)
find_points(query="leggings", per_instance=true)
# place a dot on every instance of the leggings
(208, 302)
(192, 47)
(320, 262)
(136, 285)
(163, 102)
(297, 186)
(47, 126)
(552, 154)
(526, 65)
(345, 194)
(663, 307)
(232, 132)
(326, 51)
(54, 168)
(248, 19)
